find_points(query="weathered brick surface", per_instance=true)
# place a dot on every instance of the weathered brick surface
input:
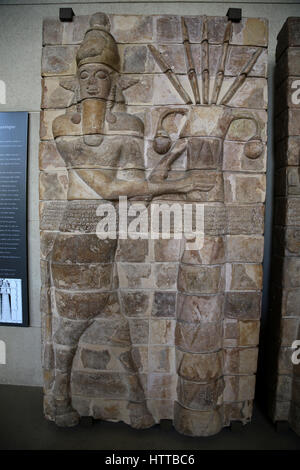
(285, 286)
(144, 330)
(289, 36)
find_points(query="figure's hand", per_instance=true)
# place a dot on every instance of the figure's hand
(179, 146)
(161, 170)
(196, 182)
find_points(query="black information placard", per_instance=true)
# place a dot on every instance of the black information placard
(13, 219)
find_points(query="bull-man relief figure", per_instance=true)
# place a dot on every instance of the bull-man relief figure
(137, 325)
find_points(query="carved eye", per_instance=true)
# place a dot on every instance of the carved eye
(101, 74)
(84, 75)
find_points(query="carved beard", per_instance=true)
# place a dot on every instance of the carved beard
(93, 116)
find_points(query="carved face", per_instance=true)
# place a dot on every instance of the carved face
(95, 81)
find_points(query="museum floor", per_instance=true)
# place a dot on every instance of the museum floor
(22, 426)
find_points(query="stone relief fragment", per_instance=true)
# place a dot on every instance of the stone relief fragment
(283, 351)
(148, 110)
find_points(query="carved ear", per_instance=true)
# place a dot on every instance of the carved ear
(119, 97)
(111, 118)
(116, 100)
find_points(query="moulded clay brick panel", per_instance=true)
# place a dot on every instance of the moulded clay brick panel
(49, 157)
(287, 241)
(287, 152)
(284, 394)
(137, 58)
(234, 158)
(205, 123)
(287, 124)
(218, 220)
(287, 182)
(145, 29)
(287, 96)
(288, 271)
(53, 185)
(46, 119)
(285, 366)
(288, 65)
(143, 330)
(290, 302)
(243, 277)
(287, 211)
(239, 130)
(156, 89)
(294, 417)
(58, 92)
(59, 60)
(244, 188)
(289, 36)
(152, 89)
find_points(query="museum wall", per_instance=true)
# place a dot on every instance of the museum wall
(20, 59)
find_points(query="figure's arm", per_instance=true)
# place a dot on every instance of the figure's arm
(105, 183)
(160, 172)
